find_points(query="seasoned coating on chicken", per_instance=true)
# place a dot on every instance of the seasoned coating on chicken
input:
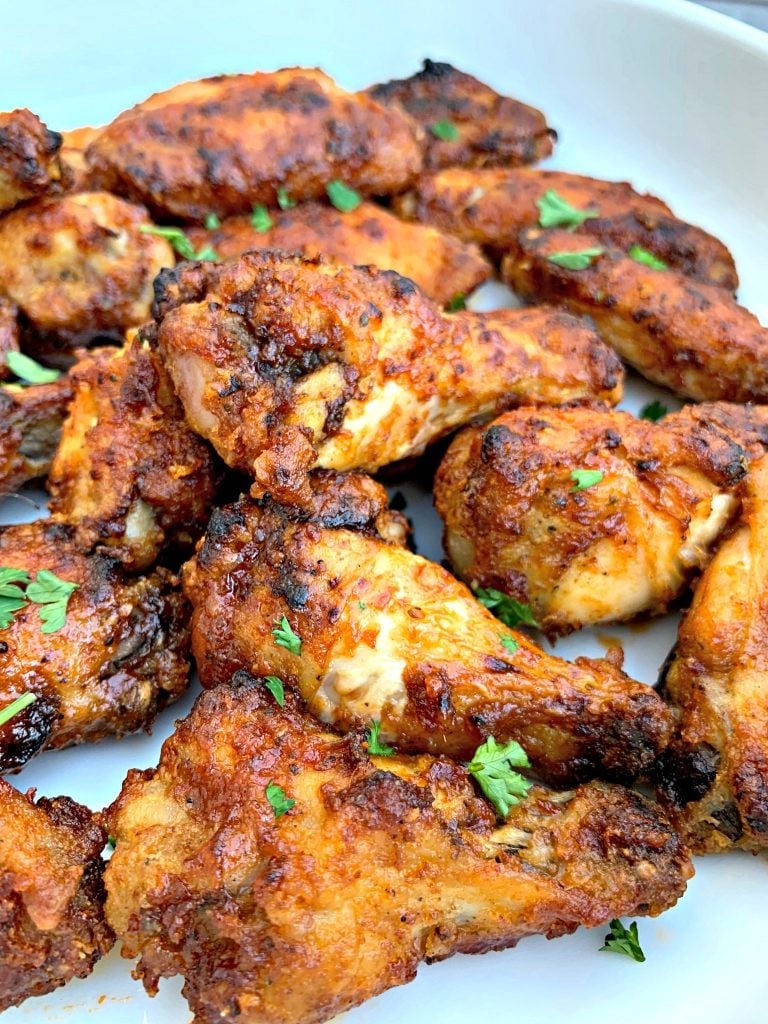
(442, 266)
(78, 266)
(129, 473)
(30, 164)
(52, 925)
(492, 130)
(745, 425)
(381, 863)
(30, 428)
(714, 775)
(221, 144)
(628, 543)
(492, 206)
(119, 658)
(9, 333)
(686, 335)
(283, 363)
(387, 635)
(73, 146)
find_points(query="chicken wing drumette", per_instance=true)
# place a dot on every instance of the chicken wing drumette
(30, 428)
(283, 363)
(118, 658)
(378, 863)
(386, 635)
(52, 925)
(30, 163)
(442, 266)
(467, 123)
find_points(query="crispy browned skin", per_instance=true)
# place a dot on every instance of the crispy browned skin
(73, 146)
(383, 862)
(714, 775)
(9, 333)
(129, 473)
(441, 266)
(78, 266)
(687, 335)
(628, 544)
(30, 164)
(52, 926)
(745, 425)
(221, 144)
(120, 657)
(283, 363)
(491, 207)
(493, 130)
(30, 428)
(387, 635)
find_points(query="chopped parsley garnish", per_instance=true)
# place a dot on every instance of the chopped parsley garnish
(52, 594)
(285, 637)
(12, 596)
(509, 643)
(342, 196)
(512, 613)
(556, 212)
(284, 201)
(275, 686)
(13, 709)
(180, 243)
(576, 260)
(375, 746)
(260, 219)
(492, 768)
(584, 478)
(361, 605)
(278, 801)
(640, 255)
(28, 371)
(446, 131)
(653, 411)
(459, 301)
(211, 222)
(623, 940)
(111, 842)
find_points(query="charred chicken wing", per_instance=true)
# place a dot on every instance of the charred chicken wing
(30, 164)
(30, 428)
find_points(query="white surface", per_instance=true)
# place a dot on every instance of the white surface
(663, 93)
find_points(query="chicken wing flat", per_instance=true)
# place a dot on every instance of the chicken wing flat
(52, 926)
(686, 335)
(9, 333)
(129, 473)
(30, 428)
(466, 123)
(386, 635)
(442, 266)
(283, 363)
(78, 266)
(222, 144)
(30, 164)
(119, 657)
(380, 863)
(587, 514)
(714, 775)
(492, 206)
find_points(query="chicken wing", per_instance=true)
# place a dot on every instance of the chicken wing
(9, 334)
(386, 635)
(686, 335)
(466, 122)
(443, 267)
(30, 428)
(492, 206)
(714, 775)
(283, 363)
(30, 163)
(73, 146)
(129, 473)
(78, 266)
(52, 925)
(380, 863)
(652, 500)
(221, 144)
(119, 657)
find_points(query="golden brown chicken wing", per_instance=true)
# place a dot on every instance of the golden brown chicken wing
(386, 635)
(379, 863)
(73, 146)
(688, 336)
(52, 925)
(129, 474)
(466, 122)
(30, 163)
(283, 363)
(443, 267)
(587, 514)
(714, 775)
(221, 144)
(78, 266)
(9, 333)
(30, 428)
(119, 656)
(492, 206)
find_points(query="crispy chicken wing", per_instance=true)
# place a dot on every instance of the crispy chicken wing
(380, 863)
(284, 363)
(119, 658)
(688, 336)
(129, 473)
(714, 775)
(30, 428)
(484, 128)
(30, 163)
(9, 333)
(78, 266)
(516, 519)
(52, 925)
(221, 144)
(441, 266)
(387, 635)
(491, 207)
(746, 425)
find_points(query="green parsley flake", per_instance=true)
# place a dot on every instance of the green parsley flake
(52, 594)
(576, 260)
(653, 411)
(459, 301)
(111, 842)
(278, 801)
(285, 637)
(492, 768)
(446, 131)
(556, 212)
(284, 201)
(361, 605)
(13, 709)
(512, 613)
(584, 478)
(623, 940)
(212, 222)
(343, 198)
(375, 746)
(180, 243)
(261, 220)
(28, 371)
(12, 596)
(640, 255)
(275, 686)
(508, 643)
